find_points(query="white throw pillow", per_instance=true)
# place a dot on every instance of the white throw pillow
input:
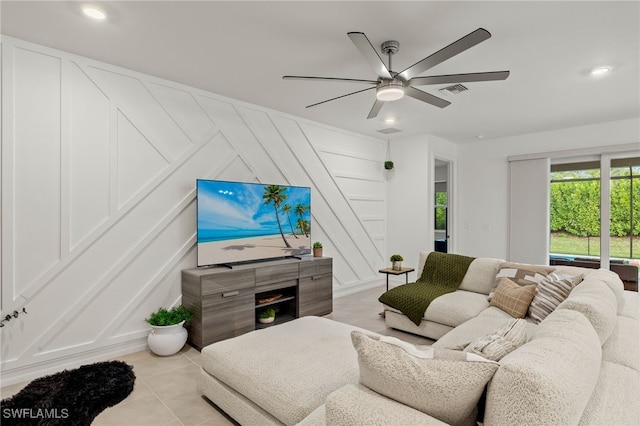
(443, 383)
(506, 339)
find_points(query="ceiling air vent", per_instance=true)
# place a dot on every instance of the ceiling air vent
(389, 130)
(455, 89)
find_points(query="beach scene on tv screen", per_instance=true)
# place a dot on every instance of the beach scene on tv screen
(240, 222)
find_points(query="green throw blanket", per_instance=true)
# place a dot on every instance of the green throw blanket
(442, 274)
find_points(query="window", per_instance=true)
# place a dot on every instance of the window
(575, 209)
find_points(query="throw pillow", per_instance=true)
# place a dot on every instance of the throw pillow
(445, 384)
(551, 291)
(506, 339)
(521, 274)
(512, 298)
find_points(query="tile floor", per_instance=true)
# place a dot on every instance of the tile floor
(166, 392)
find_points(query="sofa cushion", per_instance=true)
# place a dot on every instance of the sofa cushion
(289, 379)
(453, 309)
(596, 301)
(444, 384)
(612, 280)
(549, 380)
(521, 274)
(550, 292)
(481, 275)
(615, 398)
(359, 405)
(485, 323)
(513, 298)
(496, 345)
(631, 307)
(623, 346)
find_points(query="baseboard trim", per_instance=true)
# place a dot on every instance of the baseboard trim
(32, 371)
(361, 286)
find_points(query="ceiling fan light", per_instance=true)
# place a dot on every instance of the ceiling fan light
(391, 92)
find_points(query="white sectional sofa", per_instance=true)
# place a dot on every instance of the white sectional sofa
(580, 365)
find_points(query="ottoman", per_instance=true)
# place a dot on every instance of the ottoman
(280, 374)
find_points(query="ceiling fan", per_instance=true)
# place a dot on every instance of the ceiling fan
(391, 86)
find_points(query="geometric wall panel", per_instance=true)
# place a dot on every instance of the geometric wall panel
(98, 198)
(138, 160)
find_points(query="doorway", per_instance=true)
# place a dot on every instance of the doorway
(442, 205)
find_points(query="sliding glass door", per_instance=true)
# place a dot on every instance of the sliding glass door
(589, 200)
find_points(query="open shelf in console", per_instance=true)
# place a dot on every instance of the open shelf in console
(281, 300)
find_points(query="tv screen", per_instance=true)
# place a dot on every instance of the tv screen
(240, 222)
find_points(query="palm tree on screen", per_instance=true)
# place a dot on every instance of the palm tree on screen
(276, 194)
(301, 210)
(303, 225)
(286, 209)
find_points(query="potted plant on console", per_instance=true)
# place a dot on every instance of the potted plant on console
(267, 316)
(396, 262)
(317, 249)
(168, 334)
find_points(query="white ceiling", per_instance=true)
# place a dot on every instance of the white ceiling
(242, 49)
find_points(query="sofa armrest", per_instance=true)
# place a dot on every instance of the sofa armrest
(357, 404)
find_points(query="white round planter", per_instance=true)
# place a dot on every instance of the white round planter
(167, 340)
(266, 320)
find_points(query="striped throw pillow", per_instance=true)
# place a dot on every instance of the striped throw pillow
(506, 339)
(551, 291)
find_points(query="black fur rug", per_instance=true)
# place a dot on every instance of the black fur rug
(71, 397)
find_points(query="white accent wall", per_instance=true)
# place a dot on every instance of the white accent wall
(483, 178)
(98, 198)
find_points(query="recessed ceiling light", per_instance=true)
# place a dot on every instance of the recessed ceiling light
(390, 120)
(480, 136)
(94, 12)
(600, 70)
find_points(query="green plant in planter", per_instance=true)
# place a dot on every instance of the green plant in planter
(164, 317)
(317, 244)
(267, 313)
(396, 258)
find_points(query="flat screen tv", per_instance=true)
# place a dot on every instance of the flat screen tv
(242, 222)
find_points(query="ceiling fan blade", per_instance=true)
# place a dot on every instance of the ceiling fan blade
(426, 97)
(370, 54)
(445, 53)
(338, 97)
(459, 78)
(344, 80)
(375, 109)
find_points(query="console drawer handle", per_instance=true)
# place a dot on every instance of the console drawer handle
(230, 294)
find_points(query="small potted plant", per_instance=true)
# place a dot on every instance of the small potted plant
(267, 316)
(317, 249)
(168, 334)
(396, 262)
